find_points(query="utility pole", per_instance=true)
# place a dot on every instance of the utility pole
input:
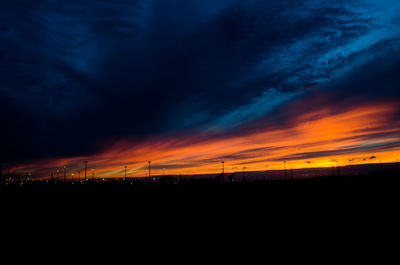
(79, 177)
(85, 169)
(223, 171)
(92, 174)
(125, 172)
(244, 177)
(149, 171)
(284, 162)
(265, 174)
(65, 174)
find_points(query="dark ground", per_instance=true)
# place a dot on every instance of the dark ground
(330, 207)
(386, 182)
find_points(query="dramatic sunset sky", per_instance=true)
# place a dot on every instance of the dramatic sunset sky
(190, 83)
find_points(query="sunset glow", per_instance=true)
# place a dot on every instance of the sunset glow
(259, 85)
(319, 139)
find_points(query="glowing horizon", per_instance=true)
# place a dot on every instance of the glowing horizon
(188, 84)
(319, 138)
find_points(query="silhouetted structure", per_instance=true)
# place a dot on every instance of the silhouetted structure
(65, 173)
(149, 170)
(284, 162)
(85, 170)
(223, 171)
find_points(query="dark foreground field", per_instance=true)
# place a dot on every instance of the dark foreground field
(207, 189)
(140, 207)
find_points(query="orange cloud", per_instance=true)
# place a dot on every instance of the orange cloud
(321, 138)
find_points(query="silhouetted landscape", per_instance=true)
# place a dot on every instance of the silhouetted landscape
(349, 177)
(150, 98)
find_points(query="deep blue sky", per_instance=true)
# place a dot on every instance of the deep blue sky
(77, 74)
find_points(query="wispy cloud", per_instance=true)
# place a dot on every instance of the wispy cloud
(77, 77)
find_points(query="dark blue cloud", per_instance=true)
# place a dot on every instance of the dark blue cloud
(76, 73)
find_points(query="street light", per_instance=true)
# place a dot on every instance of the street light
(149, 170)
(223, 171)
(85, 170)
(65, 173)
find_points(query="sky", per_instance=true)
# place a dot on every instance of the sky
(187, 84)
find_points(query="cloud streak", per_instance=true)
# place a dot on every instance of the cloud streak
(77, 77)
